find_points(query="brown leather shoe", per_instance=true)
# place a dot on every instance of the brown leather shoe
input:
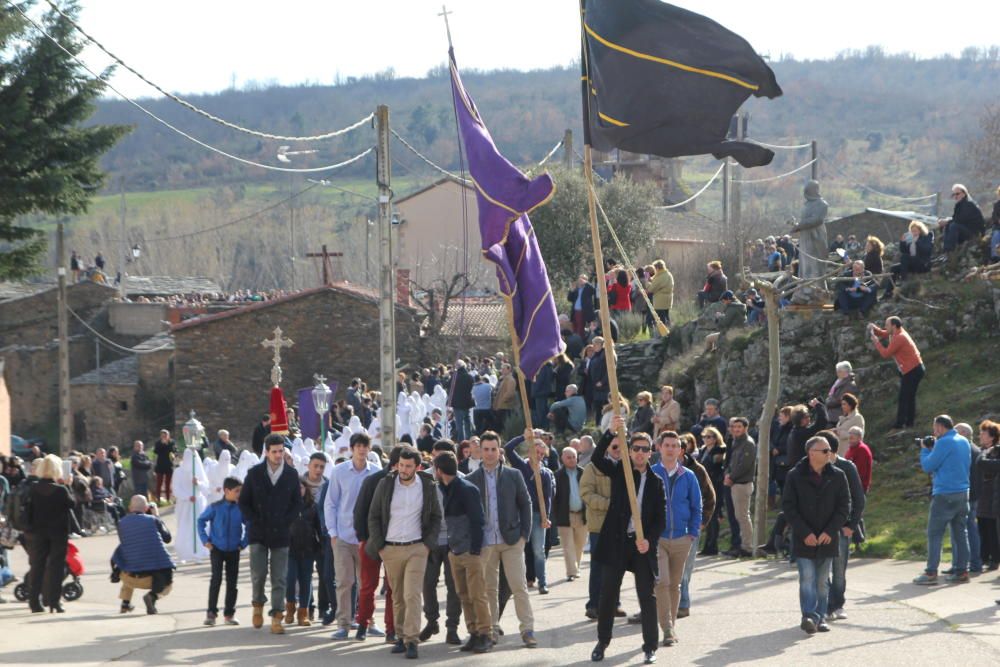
(276, 627)
(289, 613)
(258, 616)
(304, 617)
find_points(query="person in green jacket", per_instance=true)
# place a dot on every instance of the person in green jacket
(661, 289)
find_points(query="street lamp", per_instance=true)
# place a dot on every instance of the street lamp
(194, 432)
(321, 401)
(136, 252)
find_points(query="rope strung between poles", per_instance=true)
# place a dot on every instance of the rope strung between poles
(660, 326)
(112, 343)
(428, 160)
(219, 151)
(779, 147)
(780, 176)
(549, 154)
(327, 184)
(188, 105)
(699, 193)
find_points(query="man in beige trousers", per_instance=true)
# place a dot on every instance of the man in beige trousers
(569, 512)
(403, 526)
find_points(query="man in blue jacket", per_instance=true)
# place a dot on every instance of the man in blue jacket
(141, 557)
(683, 496)
(948, 460)
(538, 527)
(225, 538)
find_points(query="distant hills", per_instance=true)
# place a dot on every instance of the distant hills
(891, 121)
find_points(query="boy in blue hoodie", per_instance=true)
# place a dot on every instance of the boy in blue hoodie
(225, 538)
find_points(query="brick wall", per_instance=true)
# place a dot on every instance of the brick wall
(223, 373)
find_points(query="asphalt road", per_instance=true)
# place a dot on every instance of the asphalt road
(742, 612)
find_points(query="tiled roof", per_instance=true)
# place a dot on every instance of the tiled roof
(484, 318)
(124, 371)
(169, 285)
(15, 290)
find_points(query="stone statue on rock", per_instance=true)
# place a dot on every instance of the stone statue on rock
(811, 231)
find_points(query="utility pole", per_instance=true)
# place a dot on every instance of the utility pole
(386, 285)
(65, 422)
(122, 252)
(736, 212)
(814, 172)
(727, 225)
(568, 149)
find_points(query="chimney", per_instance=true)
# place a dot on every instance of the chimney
(403, 287)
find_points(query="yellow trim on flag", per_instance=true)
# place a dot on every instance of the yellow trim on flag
(611, 120)
(670, 63)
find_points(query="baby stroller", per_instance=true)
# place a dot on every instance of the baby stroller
(72, 589)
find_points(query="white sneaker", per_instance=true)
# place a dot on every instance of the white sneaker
(837, 615)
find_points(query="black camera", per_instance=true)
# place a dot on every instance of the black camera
(926, 441)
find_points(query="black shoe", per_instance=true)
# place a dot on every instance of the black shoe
(150, 601)
(452, 637)
(56, 609)
(399, 647)
(429, 630)
(635, 619)
(36, 608)
(768, 549)
(543, 589)
(597, 655)
(390, 638)
(125, 608)
(362, 633)
(482, 645)
(411, 651)
(591, 613)
(328, 617)
(649, 657)
(471, 644)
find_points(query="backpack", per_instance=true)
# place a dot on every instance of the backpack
(18, 507)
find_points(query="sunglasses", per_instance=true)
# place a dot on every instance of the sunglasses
(821, 451)
(641, 449)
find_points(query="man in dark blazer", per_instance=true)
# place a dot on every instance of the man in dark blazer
(507, 507)
(618, 548)
(581, 299)
(270, 500)
(570, 513)
(597, 374)
(461, 401)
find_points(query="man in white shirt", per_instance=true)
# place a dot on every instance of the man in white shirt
(338, 512)
(403, 526)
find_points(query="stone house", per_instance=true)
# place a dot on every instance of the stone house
(222, 372)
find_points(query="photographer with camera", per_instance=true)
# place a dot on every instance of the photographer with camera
(947, 458)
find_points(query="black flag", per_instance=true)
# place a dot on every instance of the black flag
(660, 79)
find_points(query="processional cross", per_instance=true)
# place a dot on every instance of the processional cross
(276, 344)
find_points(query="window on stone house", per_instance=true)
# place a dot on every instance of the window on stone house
(123, 406)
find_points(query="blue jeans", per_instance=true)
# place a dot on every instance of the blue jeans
(814, 589)
(463, 424)
(975, 544)
(327, 577)
(948, 509)
(538, 548)
(994, 242)
(685, 602)
(540, 410)
(838, 577)
(300, 570)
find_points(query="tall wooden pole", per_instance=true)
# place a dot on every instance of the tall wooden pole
(568, 149)
(814, 171)
(387, 286)
(609, 342)
(767, 414)
(736, 213)
(65, 420)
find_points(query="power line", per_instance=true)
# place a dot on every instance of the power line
(192, 107)
(175, 129)
(112, 343)
(327, 184)
(428, 160)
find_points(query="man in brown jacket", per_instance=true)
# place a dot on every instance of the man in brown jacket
(595, 489)
(505, 398)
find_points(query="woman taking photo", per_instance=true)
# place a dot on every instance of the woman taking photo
(51, 509)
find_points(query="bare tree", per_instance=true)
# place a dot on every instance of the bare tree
(985, 151)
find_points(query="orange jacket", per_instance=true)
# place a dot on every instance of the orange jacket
(901, 348)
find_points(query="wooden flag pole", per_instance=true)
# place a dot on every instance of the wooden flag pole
(522, 386)
(609, 342)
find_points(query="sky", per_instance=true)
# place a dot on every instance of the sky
(205, 46)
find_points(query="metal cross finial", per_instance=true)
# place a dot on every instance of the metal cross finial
(445, 13)
(276, 344)
(319, 378)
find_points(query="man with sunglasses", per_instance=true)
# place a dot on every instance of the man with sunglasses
(817, 504)
(619, 549)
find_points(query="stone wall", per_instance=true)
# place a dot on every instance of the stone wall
(137, 319)
(106, 415)
(222, 371)
(32, 320)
